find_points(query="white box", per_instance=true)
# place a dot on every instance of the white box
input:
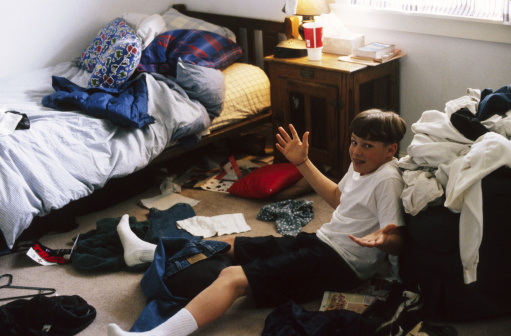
(342, 45)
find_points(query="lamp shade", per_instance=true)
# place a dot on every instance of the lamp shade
(312, 7)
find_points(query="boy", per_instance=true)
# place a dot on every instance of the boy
(275, 270)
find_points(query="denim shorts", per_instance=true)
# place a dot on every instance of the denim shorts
(301, 268)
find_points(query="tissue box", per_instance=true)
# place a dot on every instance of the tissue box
(342, 45)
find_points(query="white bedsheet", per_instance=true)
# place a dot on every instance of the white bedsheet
(65, 156)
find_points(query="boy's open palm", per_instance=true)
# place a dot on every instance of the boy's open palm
(294, 149)
(377, 238)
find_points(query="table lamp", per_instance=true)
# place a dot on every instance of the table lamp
(310, 8)
(292, 48)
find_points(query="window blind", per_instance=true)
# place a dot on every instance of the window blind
(485, 9)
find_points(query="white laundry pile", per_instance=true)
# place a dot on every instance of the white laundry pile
(216, 225)
(441, 159)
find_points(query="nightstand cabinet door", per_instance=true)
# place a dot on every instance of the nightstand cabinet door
(311, 107)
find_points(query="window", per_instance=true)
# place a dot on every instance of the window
(484, 9)
(409, 16)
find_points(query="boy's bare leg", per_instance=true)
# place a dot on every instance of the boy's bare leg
(216, 299)
(206, 307)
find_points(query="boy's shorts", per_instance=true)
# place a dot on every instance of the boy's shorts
(280, 269)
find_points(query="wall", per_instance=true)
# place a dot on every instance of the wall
(38, 33)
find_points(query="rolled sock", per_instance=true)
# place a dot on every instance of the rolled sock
(136, 251)
(181, 324)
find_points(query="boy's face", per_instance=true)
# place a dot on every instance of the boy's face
(368, 155)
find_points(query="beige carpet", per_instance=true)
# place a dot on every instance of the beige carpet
(117, 296)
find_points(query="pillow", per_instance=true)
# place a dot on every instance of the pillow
(146, 26)
(298, 189)
(192, 46)
(247, 94)
(203, 84)
(176, 20)
(266, 181)
(116, 29)
(116, 64)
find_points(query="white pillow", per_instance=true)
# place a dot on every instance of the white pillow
(176, 20)
(146, 26)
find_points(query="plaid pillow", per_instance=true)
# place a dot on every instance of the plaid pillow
(109, 35)
(192, 46)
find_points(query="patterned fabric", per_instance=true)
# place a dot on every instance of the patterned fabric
(117, 63)
(290, 215)
(247, 94)
(109, 35)
(192, 46)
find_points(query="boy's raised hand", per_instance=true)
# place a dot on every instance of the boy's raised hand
(294, 149)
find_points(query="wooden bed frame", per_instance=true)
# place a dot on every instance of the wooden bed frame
(258, 39)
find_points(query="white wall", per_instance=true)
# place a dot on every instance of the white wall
(38, 33)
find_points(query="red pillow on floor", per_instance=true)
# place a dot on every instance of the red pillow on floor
(266, 181)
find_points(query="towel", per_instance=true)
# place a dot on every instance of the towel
(216, 225)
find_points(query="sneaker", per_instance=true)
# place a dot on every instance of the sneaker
(396, 315)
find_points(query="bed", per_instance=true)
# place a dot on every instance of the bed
(83, 135)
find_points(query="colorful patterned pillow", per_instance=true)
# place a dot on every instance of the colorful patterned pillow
(117, 63)
(193, 46)
(109, 35)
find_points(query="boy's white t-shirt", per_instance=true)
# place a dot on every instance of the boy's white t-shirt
(368, 203)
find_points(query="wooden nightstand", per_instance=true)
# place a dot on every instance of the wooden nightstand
(323, 97)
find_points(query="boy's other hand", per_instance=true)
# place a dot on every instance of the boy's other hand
(294, 149)
(377, 238)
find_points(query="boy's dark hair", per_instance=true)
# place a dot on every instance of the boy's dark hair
(377, 125)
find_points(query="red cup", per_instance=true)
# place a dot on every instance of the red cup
(313, 34)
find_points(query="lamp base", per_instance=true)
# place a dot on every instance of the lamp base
(291, 48)
(305, 19)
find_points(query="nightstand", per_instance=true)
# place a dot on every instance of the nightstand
(323, 97)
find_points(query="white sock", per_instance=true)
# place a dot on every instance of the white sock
(136, 251)
(181, 324)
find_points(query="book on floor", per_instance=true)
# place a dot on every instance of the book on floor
(374, 50)
(349, 301)
(360, 298)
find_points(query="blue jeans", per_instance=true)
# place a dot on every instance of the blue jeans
(173, 248)
(163, 223)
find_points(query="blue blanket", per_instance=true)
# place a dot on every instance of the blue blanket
(124, 106)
